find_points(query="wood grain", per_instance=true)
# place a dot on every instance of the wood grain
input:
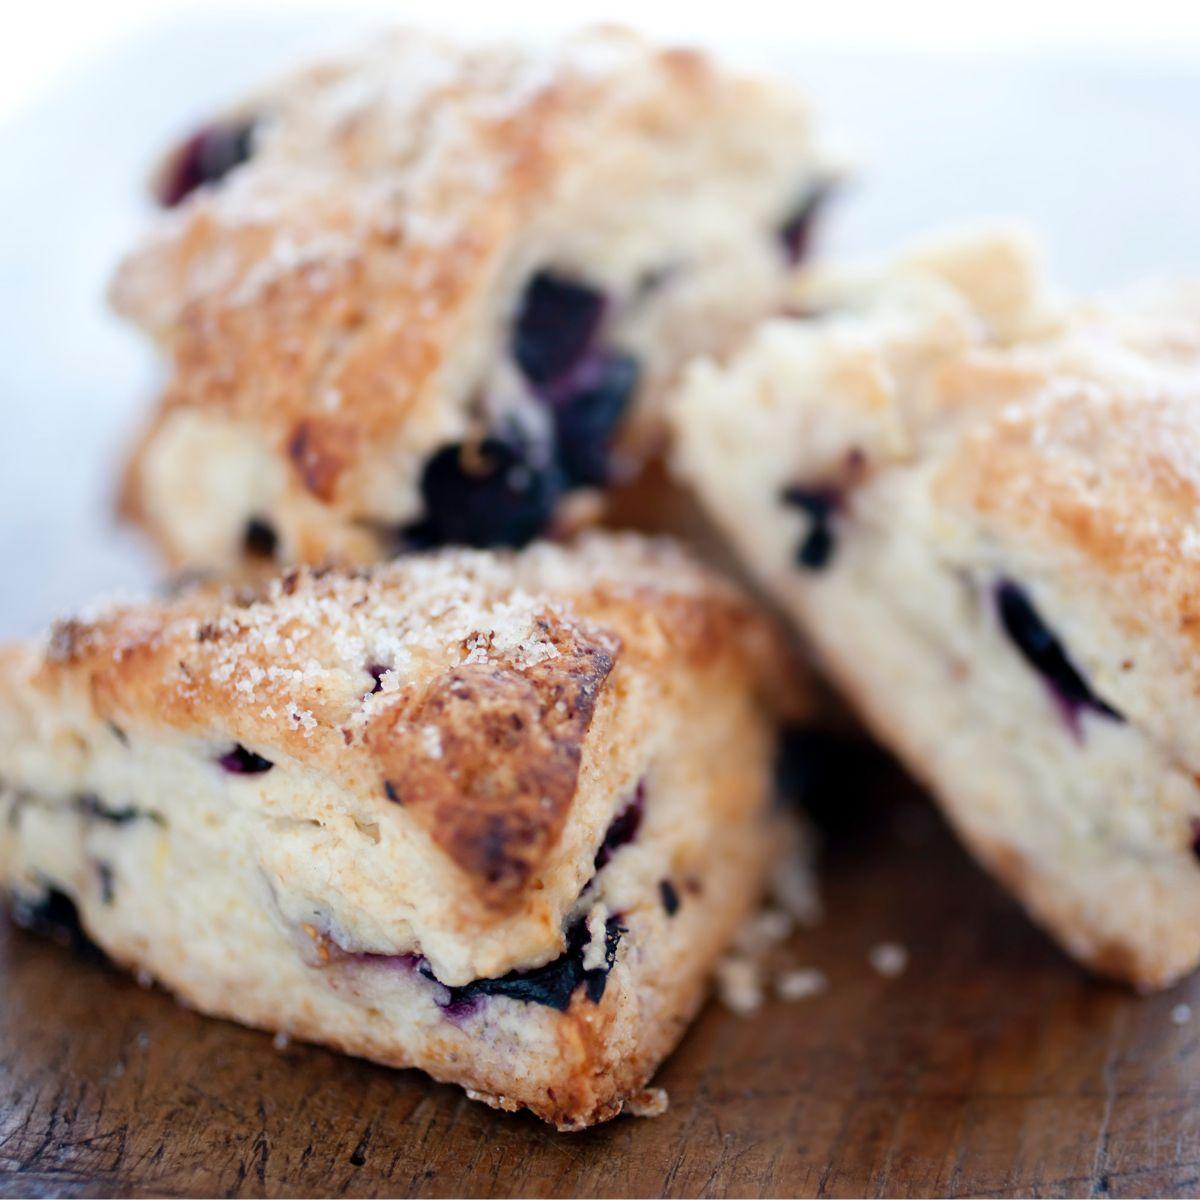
(991, 1067)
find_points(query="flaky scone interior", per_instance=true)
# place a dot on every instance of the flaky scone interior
(982, 503)
(489, 815)
(431, 293)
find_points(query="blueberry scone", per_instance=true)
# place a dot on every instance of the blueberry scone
(432, 294)
(489, 815)
(982, 503)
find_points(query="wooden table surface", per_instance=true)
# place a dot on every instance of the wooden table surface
(992, 1066)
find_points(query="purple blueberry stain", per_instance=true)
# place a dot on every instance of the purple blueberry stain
(240, 761)
(1043, 651)
(820, 504)
(556, 326)
(206, 158)
(377, 671)
(489, 494)
(623, 829)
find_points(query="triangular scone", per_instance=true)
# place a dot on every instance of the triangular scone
(982, 503)
(489, 815)
(431, 293)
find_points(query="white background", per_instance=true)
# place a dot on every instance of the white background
(1080, 118)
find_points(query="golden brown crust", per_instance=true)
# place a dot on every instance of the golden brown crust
(509, 742)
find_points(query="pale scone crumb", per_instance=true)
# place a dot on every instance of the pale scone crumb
(649, 1102)
(801, 983)
(764, 931)
(1181, 1014)
(890, 959)
(281, 1041)
(739, 984)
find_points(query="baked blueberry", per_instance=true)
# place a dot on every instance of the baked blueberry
(552, 984)
(54, 915)
(240, 761)
(623, 829)
(484, 495)
(815, 551)
(587, 412)
(206, 157)
(796, 232)
(259, 539)
(556, 326)
(1045, 653)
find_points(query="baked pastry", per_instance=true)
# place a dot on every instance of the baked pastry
(494, 816)
(980, 501)
(431, 294)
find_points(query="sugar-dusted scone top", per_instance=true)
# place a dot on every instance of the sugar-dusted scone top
(982, 501)
(508, 705)
(341, 306)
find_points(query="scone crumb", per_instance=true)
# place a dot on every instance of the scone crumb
(739, 984)
(889, 959)
(1181, 1014)
(764, 931)
(649, 1102)
(281, 1041)
(801, 983)
(144, 979)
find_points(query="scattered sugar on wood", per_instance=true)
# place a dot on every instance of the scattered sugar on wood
(801, 983)
(889, 959)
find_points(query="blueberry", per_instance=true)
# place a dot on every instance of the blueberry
(484, 495)
(259, 539)
(1045, 653)
(206, 157)
(815, 551)
(669, 897)
(552, 985)
(795, 234)
(240, 761)
(623, 829)
(93, 807)
(555, 327)
(54, 915)
(587, 411)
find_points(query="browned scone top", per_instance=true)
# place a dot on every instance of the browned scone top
(459, 687)
(336, 288)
